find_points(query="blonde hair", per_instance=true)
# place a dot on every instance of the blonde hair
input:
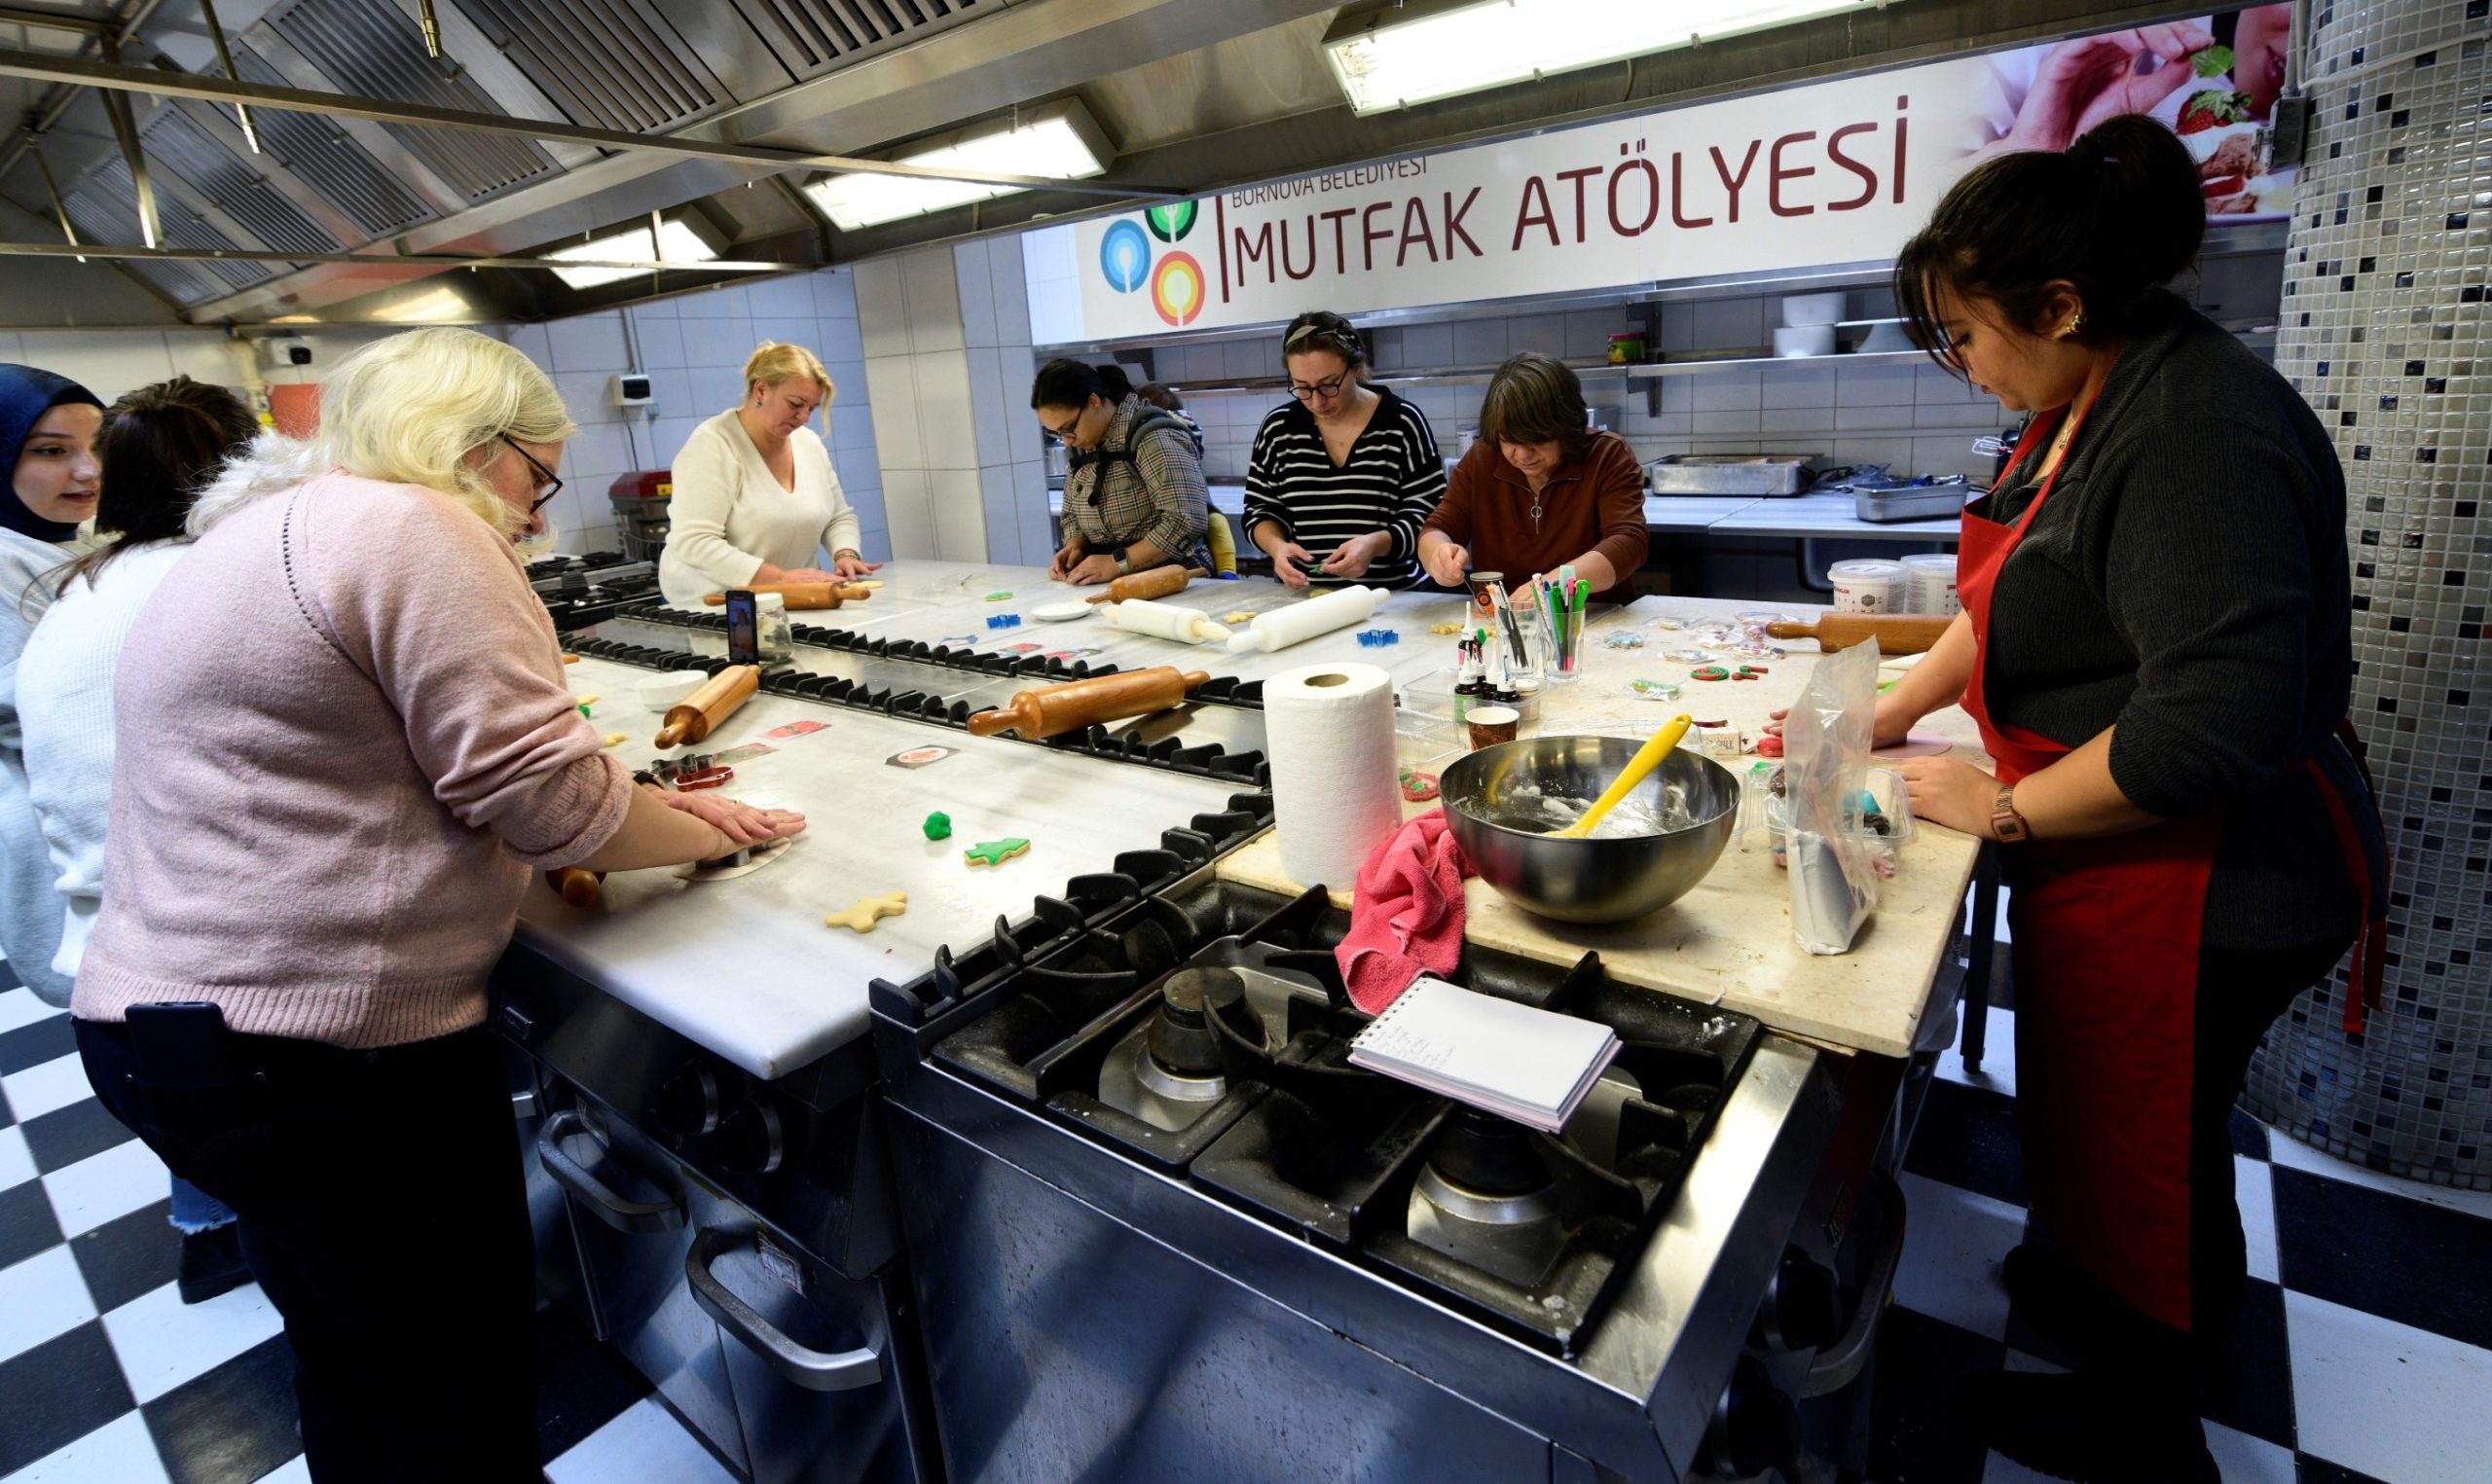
(774, 363)
(410, 410)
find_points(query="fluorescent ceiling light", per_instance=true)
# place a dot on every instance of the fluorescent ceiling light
(1057, 141)
(1419, 52)
(676, 243)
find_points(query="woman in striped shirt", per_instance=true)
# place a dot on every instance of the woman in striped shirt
(1341, 476)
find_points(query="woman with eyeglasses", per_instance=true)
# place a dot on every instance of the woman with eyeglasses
(1343, 474)
(1541, 490)
(756, 497)
(1134, 497)
(357, 743)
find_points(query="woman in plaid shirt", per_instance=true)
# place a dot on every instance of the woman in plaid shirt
(1135, 497)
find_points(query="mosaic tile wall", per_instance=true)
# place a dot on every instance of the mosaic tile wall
(2386, 331)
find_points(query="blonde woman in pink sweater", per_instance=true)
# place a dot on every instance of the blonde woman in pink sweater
(345, 742)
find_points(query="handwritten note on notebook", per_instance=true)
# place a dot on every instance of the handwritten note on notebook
(1530, 1066)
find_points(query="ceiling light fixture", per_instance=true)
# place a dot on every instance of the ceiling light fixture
(1057, 140)
(1426, 50)
(677, 244)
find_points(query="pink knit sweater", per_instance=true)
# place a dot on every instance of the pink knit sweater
(344, 739)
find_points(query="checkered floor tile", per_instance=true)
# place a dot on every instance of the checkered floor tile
(2364, 1355)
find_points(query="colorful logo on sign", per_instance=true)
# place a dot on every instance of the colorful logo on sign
(1124, 257)
(1177, 288)
(1170, 223)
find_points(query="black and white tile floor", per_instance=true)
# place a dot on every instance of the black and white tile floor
(2365, 1355)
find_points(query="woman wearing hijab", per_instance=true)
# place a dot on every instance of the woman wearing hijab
(48, 430)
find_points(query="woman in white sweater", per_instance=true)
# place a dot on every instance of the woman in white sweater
(48, 427)
(161, 445)
(755, 499)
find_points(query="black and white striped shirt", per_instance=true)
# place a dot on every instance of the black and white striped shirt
(1391, 481)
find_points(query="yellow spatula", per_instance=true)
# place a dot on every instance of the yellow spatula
(1647, 758)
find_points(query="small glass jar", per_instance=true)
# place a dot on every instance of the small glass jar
(774, 637)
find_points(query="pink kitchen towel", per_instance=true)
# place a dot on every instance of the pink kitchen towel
(1405, 919)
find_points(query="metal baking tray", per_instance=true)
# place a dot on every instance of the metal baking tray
(1757, 474)
(1923, 502)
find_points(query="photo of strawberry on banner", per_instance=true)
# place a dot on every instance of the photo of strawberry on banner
(2213, 80)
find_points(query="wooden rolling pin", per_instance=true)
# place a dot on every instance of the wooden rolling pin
(1158, 582)
(1895, 633)
(801, 596)
(1077, 703)
(575, 886)
(697, 715)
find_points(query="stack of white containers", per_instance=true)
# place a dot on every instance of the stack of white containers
(1808, 324)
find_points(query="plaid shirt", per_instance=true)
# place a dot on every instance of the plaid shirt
(1159, 497)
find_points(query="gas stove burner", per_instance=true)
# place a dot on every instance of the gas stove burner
(1486, 1199)
(1167, 1071)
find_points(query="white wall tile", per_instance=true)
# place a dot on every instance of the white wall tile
(588, 343)
(596, 455)
(944, 419)
(728, 300)
(536, 343)
(897, 440)
(1959, 414)
(908, 508)
(584, 395)
(959, 513)
(1798, 385)
(990, 406)
(1678, 393)
(849, 386)
(1478, 341)
(106, 362)
(857, 468)
(1728, 324)
(852, 428)
(715, 389)
(882, 310)
(1003, 522)
(206, 356)
(1936, 385)
(668, 435)
(1588, 331)
(1717, 422)
(1727, 390)
(932, 299)
(671, 395)
(1543, 333)
(1030, 500)
(1875, 385)
(1007, 279)
(976, 294)
(839, 340)
(1814, 420)
(1427, 344)
(1853, 419)
(718, 340)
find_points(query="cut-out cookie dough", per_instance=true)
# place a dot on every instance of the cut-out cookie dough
(1241, 616)
(754, 860)
(875, 585)
(868, 911)
(995, 853)
(1444, 628)
(615, 738)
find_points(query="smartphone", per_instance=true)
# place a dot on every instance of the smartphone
(180, 1045)
(743, 629)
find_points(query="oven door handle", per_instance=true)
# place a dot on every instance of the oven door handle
(1838, 1364)
(813, 1370)
(621, 1212)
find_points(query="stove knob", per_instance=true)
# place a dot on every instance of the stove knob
(750, 1139)
(687, 1105)
(1755, 1428)
(1803, 1311)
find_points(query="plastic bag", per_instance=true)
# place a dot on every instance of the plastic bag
(1825, 763)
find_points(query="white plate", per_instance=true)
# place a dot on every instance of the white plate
(1060, 613)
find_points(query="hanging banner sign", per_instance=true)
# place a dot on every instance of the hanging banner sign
(1833, 172)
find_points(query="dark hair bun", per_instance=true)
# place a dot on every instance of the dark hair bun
(2117, 214)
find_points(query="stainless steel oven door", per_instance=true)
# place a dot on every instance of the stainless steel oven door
(631, 1207)
(808, 1352)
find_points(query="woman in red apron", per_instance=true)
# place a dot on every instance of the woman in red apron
(2155, 644)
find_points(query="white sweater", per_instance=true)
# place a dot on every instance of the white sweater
(29, 908)
(65, 700)
(730, 514)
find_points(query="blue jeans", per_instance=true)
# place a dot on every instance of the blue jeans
(194, 1211)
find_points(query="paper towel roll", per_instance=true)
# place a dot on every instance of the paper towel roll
(1278, 629)
(1166, 621)
(1328, 729)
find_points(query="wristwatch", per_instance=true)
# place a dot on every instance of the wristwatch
(1124, 569)
(2004, 821)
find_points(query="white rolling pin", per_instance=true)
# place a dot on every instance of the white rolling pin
(1279, 629)
(1165, 621)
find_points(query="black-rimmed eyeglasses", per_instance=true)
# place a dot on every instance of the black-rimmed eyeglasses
(1328, 388)
(553, 483)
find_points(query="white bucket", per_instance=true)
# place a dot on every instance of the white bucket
(1929, 584)
(1867, 587)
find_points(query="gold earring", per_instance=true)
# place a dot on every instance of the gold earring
(2075, 322)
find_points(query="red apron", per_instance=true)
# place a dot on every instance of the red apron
(2107, 937)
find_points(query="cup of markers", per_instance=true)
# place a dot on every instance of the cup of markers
(1561, 602)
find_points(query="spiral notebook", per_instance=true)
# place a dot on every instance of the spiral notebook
(1531, 1065)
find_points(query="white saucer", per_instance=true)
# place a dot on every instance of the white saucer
(1060, 613)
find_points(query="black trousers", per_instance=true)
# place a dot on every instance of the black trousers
(384, 1211)
(2240, 994)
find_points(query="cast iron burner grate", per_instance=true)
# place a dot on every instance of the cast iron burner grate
(1529, 1233)
(1208, 760)
(1220, 690)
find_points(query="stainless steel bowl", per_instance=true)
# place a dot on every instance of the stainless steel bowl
(1585, 881)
